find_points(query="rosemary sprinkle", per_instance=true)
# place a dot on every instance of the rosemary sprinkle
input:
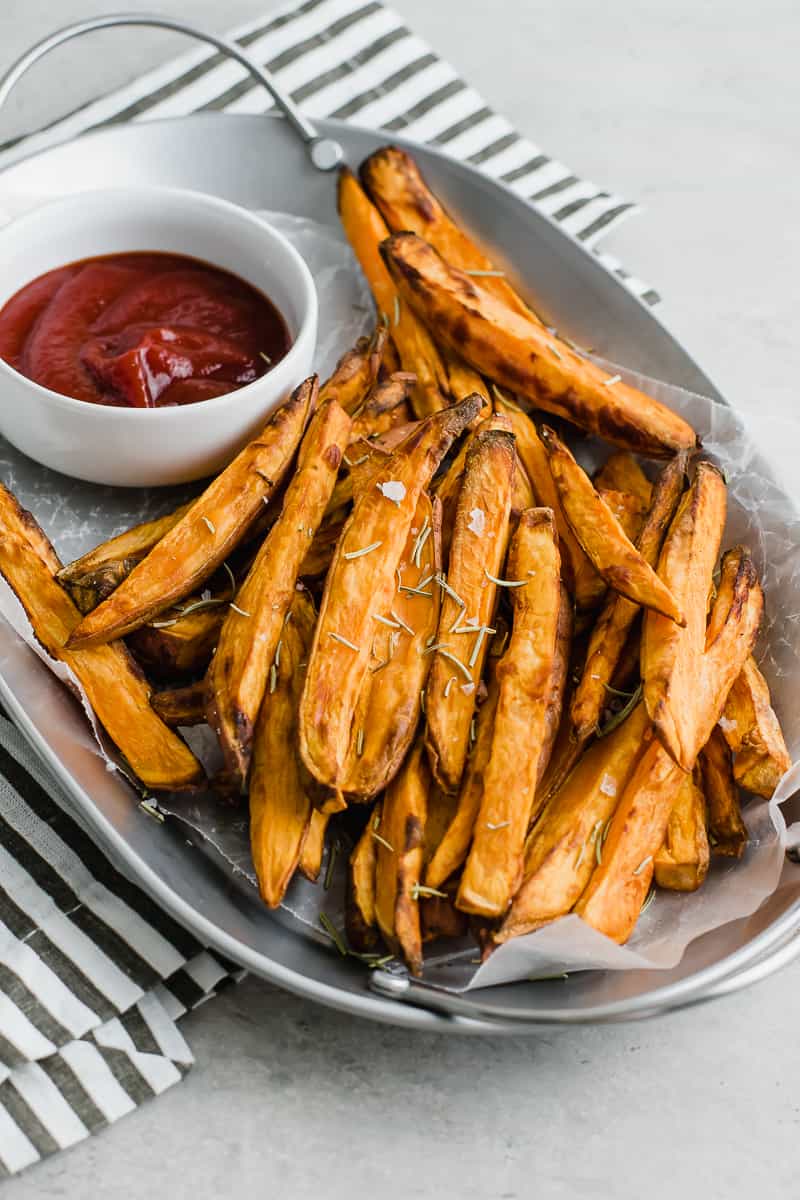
(240, 611)
(612, 381)
(337, 637)
(644, 863)
(360, 553)
(512, 583)
(210, 525)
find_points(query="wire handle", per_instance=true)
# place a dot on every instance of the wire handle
(325, 153)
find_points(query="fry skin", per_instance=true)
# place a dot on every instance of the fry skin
(384, 407)
(614, 625)
(16, 520)
(726, 829)
(477, 551)
(754, 734)
(181, 706)
(360, 584)
(365, 230)
(94, 576)
(204, 537)
(394, 183)
(681, 864)
(394, 685)
(619, 884)
(117, 691)
(626, 507)
(279, 793)
(561, 850)
(398, 868)
(580, 576)
(360, 926)
(518, 353)
(253, 626)
(494, 865)
(622, 473)
(605, 542)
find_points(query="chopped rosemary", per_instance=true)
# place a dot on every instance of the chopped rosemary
(385, 621)
(499, 825)
(556, 351)
(476, 649)
(401, 622)
(231, 576)
(278, 652)
(618, 718)
(612, 381)
(210, 524)
(337, 637)
(448, 685)
(360, 553)
(472, 731)
(273, 678)
(148, 807)
(445, 586)
(210, 602)
(420, 889)
(396, 309)
(266, 358)
(163, 624)
(331, 864)
(383, 841)
(414, 591)
(512, 583)
(419, 544)
(598, 849)
(644, 863)
(616, 691)
(581, 856)
(360, 742)
(333, 933)
(240, 611)
(456, 662)
(422, 700)
(266, 478)
(651, 895)
(488, 274)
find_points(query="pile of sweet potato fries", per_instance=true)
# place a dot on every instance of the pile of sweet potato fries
(406, 599)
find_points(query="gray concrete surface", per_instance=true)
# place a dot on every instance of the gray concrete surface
(693, 110)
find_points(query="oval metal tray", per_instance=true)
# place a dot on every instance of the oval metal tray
(257, 162)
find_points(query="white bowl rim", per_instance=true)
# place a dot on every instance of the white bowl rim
(133, 413)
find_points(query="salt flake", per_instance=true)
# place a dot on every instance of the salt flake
(468, 688)
(607, 786)
(477, 521)
(726, 725)
(393, 489)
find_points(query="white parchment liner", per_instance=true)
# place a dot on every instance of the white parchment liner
(760, 515)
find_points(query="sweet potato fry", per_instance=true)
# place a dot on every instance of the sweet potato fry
(520, 354)
(753, 733)
(356, 372)
(314, 845)
(727, 832)
(477, 551)
(620, 882)
(494, 865)
(280, 796)
(365, 230)
(116, 689)
(181, 705)
(622, 473)
(681, 864)
(17, 520)
(93, 577)
(562, 849)
(393, 688)
(180, 645)
(395, 184)
(249, 638)
(360, 924)
(452, 849)
(558, 687)
(204, 537)
(614, 625)
(580, 576)
(605, 542)
(362, 582)
(384, 407)
(398, 866)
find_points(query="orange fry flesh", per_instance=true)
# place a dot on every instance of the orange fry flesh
(400, 837)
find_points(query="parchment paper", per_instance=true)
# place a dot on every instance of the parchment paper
(760, 515)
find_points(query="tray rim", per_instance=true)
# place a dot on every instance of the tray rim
(721, 976)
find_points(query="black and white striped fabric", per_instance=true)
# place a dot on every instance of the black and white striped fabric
(357, 60)
(93, 976)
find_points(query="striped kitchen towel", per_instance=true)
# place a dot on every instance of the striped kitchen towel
(357, 60)
(92, 974)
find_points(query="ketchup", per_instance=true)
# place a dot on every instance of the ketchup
(141, 331)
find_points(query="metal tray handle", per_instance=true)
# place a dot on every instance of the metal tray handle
(325, 153)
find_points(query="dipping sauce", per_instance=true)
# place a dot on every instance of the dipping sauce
(141, 330)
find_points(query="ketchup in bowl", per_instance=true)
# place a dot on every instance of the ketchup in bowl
(141, 330)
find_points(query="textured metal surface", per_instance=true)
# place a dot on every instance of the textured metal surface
(256, 161)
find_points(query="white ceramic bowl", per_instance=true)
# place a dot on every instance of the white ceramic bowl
(136, 447)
